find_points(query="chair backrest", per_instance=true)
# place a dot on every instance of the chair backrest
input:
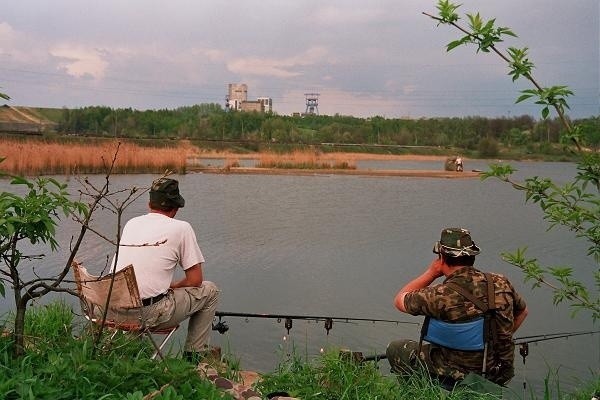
(94, 290)
(466, 336)
(477, 334)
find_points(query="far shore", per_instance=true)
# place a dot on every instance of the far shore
(231, 167)
(35, 157)
(332, 171)
(349, 156)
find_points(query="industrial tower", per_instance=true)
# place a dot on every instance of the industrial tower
(312, 103)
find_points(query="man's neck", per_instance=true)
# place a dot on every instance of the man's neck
(452, 269)
(169, 214)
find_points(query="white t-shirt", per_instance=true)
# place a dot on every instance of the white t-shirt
(154, 265)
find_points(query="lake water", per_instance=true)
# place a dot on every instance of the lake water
(343, 245)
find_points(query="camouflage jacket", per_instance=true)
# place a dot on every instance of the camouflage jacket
(442, 302)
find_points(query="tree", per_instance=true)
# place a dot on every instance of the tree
(31, 218)
(574, 205)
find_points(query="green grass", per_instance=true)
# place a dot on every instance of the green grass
(58, 365)
(53, 114)
(331, 377)
(61, 363)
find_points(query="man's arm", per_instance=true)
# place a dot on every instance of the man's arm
(519, 318)
(193, 277)
(433, 272)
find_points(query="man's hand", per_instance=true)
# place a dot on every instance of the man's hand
(436, 268)
(434, 271)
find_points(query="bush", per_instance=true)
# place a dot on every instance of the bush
(488, 148)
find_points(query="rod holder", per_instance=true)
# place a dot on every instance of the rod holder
(328, 324)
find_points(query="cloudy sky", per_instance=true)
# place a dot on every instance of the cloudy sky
(364, 58)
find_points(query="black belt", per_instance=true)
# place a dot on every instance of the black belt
(152, 300)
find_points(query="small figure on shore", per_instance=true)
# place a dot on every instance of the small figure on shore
(454, 163)
(464, 295)
(459, 164)
(167, 302)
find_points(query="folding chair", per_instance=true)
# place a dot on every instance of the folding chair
(465, 336)
(93, 293)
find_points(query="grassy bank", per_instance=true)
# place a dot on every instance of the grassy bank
(60, 364)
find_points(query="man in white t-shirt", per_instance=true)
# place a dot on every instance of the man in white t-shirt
(155, 244)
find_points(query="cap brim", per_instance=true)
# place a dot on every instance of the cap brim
(179, 201)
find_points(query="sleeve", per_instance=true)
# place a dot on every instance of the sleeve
(421, 302)
(190, 253)
(519, 303)
(509, 292)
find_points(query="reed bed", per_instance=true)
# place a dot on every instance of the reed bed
(35, 157)
(305, 160)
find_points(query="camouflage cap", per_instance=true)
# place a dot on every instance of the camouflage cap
(165, 192)
(456, 242)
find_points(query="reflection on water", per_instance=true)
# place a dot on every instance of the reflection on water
(343, 246)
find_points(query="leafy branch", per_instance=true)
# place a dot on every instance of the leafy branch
(486, 35)
(574, 205)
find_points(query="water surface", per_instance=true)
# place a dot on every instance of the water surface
(343, 245)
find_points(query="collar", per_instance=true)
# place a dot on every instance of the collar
(461, 271)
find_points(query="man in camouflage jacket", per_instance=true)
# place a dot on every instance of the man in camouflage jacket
(457, 253)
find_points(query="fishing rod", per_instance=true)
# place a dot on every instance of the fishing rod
(222, 327)
(550, 336)
(523, 342)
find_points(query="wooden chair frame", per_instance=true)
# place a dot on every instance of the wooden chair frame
(124, 296)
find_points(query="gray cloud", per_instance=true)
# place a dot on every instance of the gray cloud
(382, 57)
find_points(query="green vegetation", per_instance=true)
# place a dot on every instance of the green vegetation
(31, 218)
(59, 365)
(515, 137)
(574, 205)
(331, 377)
(44, 356)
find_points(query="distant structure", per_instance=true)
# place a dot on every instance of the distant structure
(236, 95)
(312, 103)
(266, 104)
(237, 99)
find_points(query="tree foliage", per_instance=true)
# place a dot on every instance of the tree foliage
(574, 205)
(31, 219)
(29, 215)
(209, 122)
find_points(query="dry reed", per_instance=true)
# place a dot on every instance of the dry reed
(35, 157)
(305, 160)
